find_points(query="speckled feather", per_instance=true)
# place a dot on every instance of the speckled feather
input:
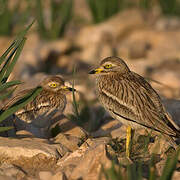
(41, 105)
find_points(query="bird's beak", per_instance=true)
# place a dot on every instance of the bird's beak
(68, 88)
(96, 71)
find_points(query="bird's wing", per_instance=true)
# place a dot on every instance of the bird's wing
(16, 98)
(148, 102)
(133, 99)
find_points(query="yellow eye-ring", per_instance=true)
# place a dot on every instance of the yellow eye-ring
(53, 85)
(107, 66)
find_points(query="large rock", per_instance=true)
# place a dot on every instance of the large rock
(97, 41)
(16, 148)
(84, 162)
(30, 155)
(91, 163)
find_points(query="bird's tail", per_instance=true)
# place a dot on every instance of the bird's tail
(173, 125)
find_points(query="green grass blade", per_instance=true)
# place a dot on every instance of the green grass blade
(139, 171)
(6, 18)
(103, 172)
(9, 64)
(5, 66)
(22, 34)
(14, 60)
(113, 174)
(2, 58)
(66, 16)
(74, 98)
(40, 20)
(9, 84)
(170, 166)
(104, 9)
(131, 171)
(2, 129)
(19, 104)
(152, 169)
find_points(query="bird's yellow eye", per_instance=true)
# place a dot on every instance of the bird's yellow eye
(107, 66)
(53, 85)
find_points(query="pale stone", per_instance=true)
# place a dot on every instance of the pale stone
(93, 39)
(45, 175)
(109, 127)
(16, 148)
(69, 142)
(6, 178)
(59, 176)
(91, 163)
(176, 175)
(74, 159)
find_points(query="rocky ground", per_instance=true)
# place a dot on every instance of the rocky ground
(81, 147)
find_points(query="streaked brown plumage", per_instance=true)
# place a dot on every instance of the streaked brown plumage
(129, 98)
(38, 113)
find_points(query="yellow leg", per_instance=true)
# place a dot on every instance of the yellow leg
(128, 139)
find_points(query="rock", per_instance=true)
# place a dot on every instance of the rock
(24, 134)
(29, 156)
(45, 175)
(65, 64)
(59, 176)
(140, 66)
(170, 83)
(59, 47)
(164, 45)
(12, 171)
(109, 127)
(176, 175)
(139, 49)
(77, 131)
(91, 163)
(97, 39)
(68, 127)
(37, 54)
(119, 133)
(6, 178)
(160, 146)
(167, 23)
(160, 166)
(95, 141)
(72, 143)
(16, 148)
(70, 161)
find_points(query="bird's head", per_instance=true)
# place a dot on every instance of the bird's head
(55, 84)
(111, 65)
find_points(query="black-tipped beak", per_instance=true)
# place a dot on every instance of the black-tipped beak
(71, 89)
(92, 72)
(68, 88)
(96, 71)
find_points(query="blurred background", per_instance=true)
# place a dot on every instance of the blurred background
(71, 37)
(77, 34)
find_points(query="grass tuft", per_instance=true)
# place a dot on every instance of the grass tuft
(104, 9)
(7, 63)
(61, 14)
